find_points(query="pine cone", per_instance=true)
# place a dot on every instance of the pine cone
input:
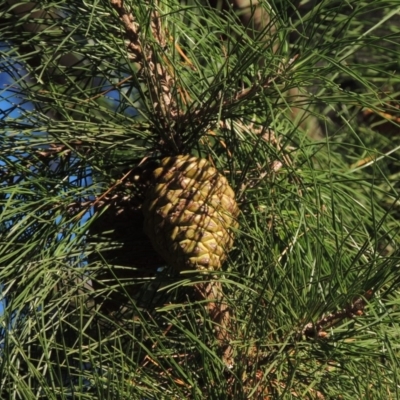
(189, 210)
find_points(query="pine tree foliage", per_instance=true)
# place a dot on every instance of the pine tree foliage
(300, 113)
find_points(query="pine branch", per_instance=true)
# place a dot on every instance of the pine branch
(152, 71)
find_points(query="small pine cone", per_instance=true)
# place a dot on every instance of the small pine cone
(189, 210)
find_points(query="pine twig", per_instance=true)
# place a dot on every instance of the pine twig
(219, 312)
(352, 310)
(153, 72)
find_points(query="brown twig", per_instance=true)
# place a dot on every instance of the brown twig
(352, 310)
(201, 115)
(98, 199)
(384, 115)
(218, 310)
(264, 84)
(55, 149)
(159, 81)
